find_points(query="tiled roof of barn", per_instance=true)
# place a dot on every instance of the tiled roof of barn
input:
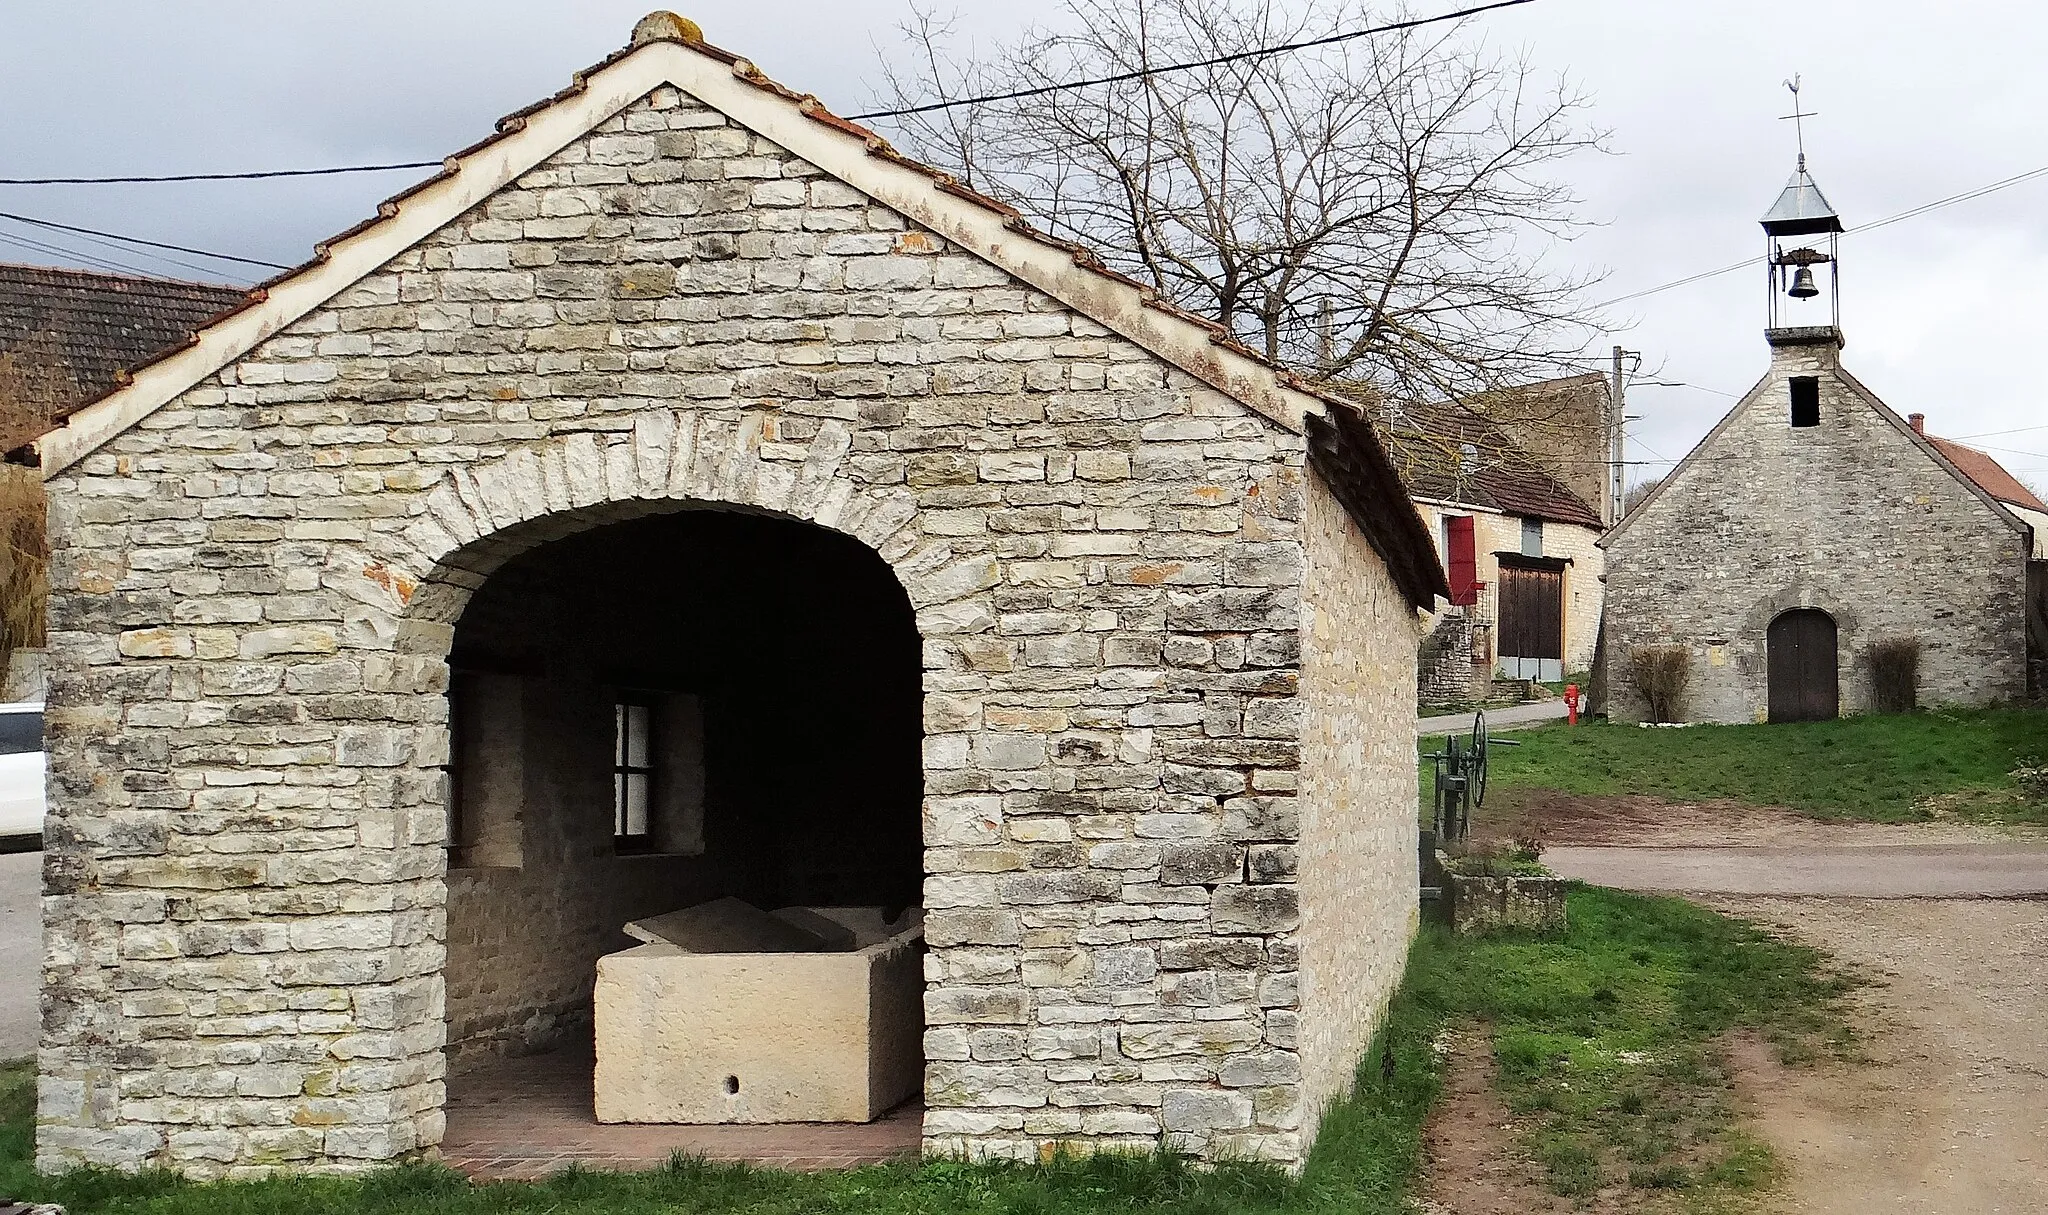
(66, 336)
(1988, 473)
(1429, 444)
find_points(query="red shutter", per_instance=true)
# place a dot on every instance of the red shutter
(1462, 564)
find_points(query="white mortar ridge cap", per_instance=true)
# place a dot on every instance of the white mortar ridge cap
(797, 122)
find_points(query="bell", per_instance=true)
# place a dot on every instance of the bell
(1802, 287)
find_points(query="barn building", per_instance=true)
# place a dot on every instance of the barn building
(683, 496)
(1519, 545)
(1810, 527)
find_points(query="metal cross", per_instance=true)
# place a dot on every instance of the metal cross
(1797, 115)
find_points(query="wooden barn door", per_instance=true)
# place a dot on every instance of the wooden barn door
(1804, 672)
(1532, 621)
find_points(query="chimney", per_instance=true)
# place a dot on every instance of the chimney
(1918, 421)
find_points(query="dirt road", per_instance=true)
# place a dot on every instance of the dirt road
(1949, 1113)
(1888, 871)
(21, 951)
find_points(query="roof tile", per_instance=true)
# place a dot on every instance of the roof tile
(1988, 474)
(67, 336)
(1429, 444)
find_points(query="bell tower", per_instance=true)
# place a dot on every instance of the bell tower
(1792, 251)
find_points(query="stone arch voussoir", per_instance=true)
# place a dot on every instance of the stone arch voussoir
(482, 515)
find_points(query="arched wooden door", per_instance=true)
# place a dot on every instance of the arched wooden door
(1805, 672)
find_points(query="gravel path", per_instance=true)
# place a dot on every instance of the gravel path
(1950, 1113)
(1532, 714)
(1884, 871)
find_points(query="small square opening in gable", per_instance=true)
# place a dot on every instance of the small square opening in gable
(1805, 400)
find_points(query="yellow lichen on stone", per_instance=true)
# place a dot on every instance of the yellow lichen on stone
(666, 26)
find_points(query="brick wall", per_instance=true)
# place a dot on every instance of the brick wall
(254, 591)
(1851, 516)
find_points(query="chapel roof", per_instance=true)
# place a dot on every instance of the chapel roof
(1801, 209)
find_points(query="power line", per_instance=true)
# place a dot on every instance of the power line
(1235, 57)
(248, 176)
(160, 257)
(1908, 213)
(329, 171)
(99, 263)
(136, 240)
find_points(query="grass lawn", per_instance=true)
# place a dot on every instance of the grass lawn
(1900, 768)
(1604, 1040)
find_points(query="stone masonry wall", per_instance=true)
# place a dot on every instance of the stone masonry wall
(1849, 516)
(1358, 853)
(253, 594)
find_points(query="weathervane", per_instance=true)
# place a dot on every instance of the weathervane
(1798, 117)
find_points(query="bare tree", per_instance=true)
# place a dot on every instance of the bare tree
(1637, 492)
(1377, 210)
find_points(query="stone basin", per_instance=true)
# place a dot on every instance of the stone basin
(750, 1037)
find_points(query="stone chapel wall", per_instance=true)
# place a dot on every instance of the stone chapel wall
(1850, 516)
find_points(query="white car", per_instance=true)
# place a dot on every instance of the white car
(21, 771)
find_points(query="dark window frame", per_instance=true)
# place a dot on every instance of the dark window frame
(625, 771)
(1805, 390)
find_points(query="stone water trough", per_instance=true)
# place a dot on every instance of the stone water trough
(732, 1014)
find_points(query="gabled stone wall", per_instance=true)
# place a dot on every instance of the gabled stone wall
(253, 594)
(1852, 516)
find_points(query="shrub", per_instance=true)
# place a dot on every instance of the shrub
(1894, 674)
(2032, 778)
(24, 560)
(1660, 674)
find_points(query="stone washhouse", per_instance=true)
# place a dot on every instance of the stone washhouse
(683, 496)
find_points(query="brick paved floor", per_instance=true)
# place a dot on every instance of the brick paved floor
(526, 1118)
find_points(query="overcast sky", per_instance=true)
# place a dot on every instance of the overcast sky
(1942, 313)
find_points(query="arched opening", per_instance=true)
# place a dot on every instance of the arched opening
(1804, 667)
(652, 715)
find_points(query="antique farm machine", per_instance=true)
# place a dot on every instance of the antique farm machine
(1460, 783)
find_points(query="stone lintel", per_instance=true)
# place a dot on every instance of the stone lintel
(1805, 335)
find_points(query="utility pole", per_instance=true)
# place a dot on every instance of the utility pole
(1617, 469)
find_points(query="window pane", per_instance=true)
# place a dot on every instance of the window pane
(618, 803)
(636, 735)
(20, 733)
(618, 735)
(636, 804)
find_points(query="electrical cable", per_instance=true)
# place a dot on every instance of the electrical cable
(248, 176)
(259, 174)
(1908, 213)
(195, 267)
(98, 263)
(136, 240)
(1234, 57)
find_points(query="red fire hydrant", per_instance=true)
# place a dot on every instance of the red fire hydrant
(1571, 704)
